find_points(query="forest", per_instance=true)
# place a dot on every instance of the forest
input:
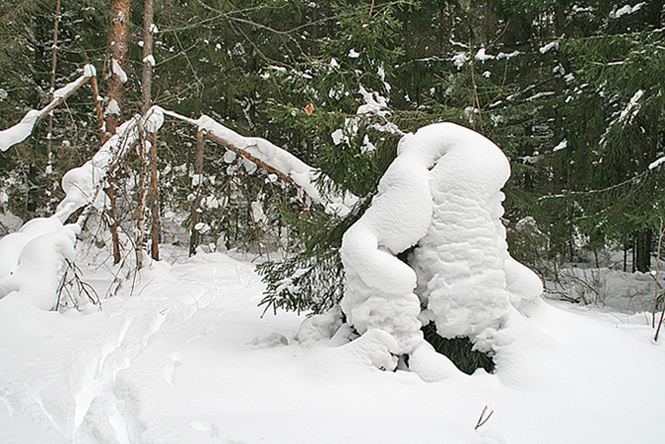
(249, 145)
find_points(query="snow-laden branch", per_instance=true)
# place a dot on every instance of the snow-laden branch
(19, 132)
(272, 158)
(82, 185)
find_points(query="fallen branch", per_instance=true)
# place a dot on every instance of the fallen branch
(19, 132)
(273, 159)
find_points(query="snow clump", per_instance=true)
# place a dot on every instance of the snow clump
(32, 260)
(441, 193)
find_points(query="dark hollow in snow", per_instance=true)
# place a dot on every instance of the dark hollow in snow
(459, 350)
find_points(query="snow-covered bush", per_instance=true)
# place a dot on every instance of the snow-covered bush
(442, 193)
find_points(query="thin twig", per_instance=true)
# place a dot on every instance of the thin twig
(483, 419)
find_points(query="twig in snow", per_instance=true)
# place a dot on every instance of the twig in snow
(74, 287)
(483, 419)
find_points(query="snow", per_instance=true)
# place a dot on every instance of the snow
(353, 54)
(149, 59)
(656, 163)
(443, 193)
(482, 56)
(549, 47)
(112, 108)
(82, 185)
(374, 103)
(118, 71)
(626, 10)
(19, 132)
(188, 359)
(184, 354)
(281, 160)
(460, 59)
(562, 145)
(632, 108)
(337, 136)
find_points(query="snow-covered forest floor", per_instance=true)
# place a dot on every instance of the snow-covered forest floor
(184, 356)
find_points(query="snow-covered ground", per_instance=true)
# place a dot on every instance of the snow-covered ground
(186, 358)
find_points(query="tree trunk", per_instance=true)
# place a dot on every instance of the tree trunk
(654, 13)
(115, 93)
(117, 57)
(195, 238)
(643, 251)
(146, 103)
(54, 61)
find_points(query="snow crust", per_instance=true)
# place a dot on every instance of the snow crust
(442, 192)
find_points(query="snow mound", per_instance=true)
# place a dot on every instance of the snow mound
(32, 260)
(442, 192)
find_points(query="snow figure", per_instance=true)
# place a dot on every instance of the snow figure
(441, 193)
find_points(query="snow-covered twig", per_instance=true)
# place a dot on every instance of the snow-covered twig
(19, 132)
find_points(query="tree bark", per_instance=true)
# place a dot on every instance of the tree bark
(54, 61)
(117, 53)
(115, 92)
(643, 251)
(146, 103)
(195, 238)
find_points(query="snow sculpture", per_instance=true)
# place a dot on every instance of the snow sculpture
(442, 192)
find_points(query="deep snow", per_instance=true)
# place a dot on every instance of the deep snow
(187, 358)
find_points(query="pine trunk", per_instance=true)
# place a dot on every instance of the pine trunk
(146, 103)
(643, 251)
(118, 44)
(195, 238)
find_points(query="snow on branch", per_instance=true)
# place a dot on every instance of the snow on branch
(19, 132)
(272, 158)
(82, 185)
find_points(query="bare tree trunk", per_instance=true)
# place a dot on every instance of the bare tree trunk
(643, 247)
(146, 99)
(54, 60)
(115, 91)
(195, 238)
(117, 55)
(113, 226)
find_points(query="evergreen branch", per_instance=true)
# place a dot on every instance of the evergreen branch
(593, 192)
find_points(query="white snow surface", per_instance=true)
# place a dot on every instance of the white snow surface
(550, 46)
(149, 59)
(20, 131)
(188, 359)
(442, 192)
